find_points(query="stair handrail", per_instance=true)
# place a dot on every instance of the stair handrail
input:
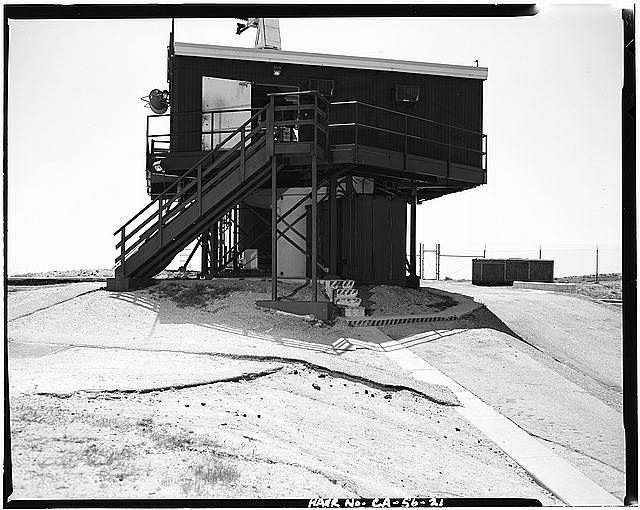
(192, 169)
(196, 167)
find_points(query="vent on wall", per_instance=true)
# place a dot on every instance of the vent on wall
(407, 93)
(324, 87)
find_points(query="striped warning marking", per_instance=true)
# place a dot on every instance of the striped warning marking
(385, 321)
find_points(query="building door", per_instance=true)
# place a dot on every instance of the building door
(223, 94)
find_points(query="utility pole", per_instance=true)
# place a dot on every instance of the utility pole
(438, 261)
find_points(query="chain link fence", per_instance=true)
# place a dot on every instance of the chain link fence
(436, 262)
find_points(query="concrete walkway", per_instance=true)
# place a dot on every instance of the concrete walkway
(525, 447)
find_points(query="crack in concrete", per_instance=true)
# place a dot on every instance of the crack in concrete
(140, 391)
(282, 359)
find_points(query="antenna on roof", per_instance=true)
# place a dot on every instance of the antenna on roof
(268, 36)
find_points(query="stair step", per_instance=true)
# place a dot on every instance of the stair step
(355, 311)
(350, 302)
(339, 284)
(345, 293)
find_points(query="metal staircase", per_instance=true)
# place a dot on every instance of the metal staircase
(217, 182)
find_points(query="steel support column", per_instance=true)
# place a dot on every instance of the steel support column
(274, 229)
(412, 242)
(412, 280)
(333, 225)
(314, 226)
(204, 259)
(213, 248)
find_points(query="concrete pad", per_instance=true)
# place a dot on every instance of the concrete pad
(554, 287)
(125, 284)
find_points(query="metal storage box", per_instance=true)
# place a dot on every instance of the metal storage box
(506, 271)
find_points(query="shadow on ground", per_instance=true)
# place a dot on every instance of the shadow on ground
(410, 335)
(229, 307)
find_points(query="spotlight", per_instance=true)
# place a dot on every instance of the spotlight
(277, 70)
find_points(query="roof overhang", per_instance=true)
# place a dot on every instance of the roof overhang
(320, 59)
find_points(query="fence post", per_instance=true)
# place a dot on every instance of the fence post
(597, 263)
(540, 253)
(484, 252)
(438, 261)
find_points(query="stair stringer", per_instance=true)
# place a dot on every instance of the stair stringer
(184, 225)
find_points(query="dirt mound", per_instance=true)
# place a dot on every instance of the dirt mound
(392, 300)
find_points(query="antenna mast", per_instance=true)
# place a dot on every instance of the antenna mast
(268, 35)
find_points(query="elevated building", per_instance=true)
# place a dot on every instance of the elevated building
(301, 164)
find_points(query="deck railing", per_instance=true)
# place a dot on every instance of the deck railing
(349, 122)
(359, 123)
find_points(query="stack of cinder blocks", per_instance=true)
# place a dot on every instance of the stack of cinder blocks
(344, 295)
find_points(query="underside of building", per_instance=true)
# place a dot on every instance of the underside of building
(301, 165)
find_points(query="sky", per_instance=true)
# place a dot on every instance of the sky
(551, 114)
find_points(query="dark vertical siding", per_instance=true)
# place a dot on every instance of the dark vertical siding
(456, 101)
(398, 235)
(371, 241)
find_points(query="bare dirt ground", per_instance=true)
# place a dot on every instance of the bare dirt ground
(391, 300)
(609, 286)
(104, 273)
(277, 430)
(153, 394)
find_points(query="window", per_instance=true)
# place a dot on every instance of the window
(324, 87)
(407, 93)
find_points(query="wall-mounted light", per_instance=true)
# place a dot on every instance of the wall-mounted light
(277, 70)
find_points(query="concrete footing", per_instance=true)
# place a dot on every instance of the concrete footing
(321, 309)
(413, 282)
(555, 287)
(126, 284)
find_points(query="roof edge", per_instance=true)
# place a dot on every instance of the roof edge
(322, 59)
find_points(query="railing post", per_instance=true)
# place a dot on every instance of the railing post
(314, 226)
(122, 251)
(270, 127)
(355, 139)
(199, 190)
(406, 140)
(274, 230)
(315, 123)
(242, 140)
(448, 152)
(160, 222)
